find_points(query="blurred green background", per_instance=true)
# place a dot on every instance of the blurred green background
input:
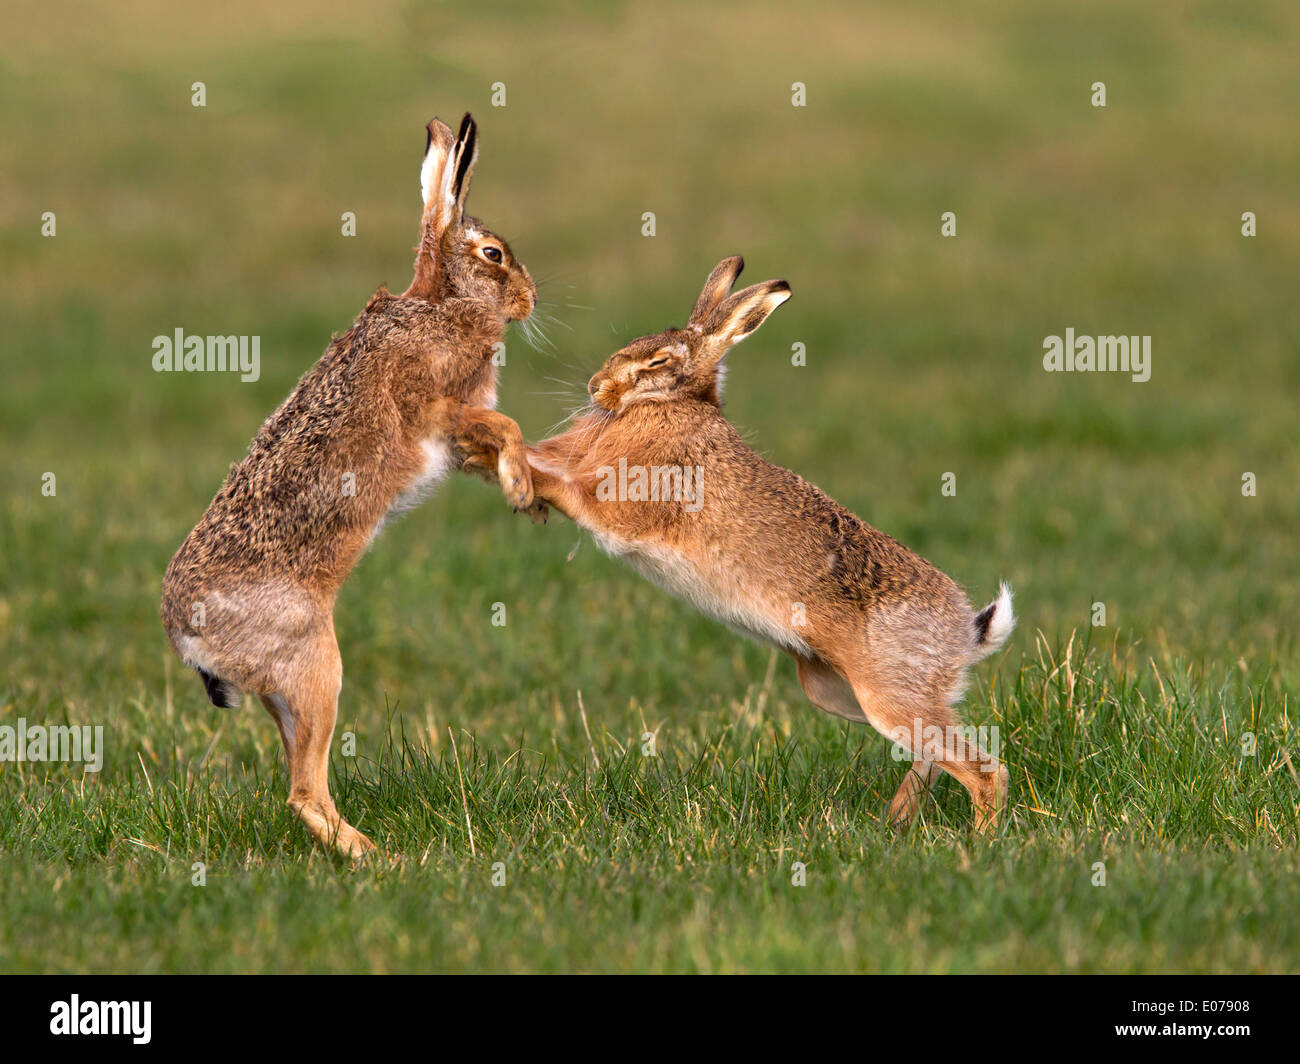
(923, 352)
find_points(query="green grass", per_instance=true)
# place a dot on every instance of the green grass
(614, 860)
(1124, 742)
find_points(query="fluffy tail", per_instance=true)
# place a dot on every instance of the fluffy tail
(994, 623)
(221, 693)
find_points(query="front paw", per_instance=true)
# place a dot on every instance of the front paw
(516, 482)
(483, 468)
(479, 460)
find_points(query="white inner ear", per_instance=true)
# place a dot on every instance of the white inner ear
(775, 299)
(771, 302)
(447, 174)
(447, 205)
(427, 169)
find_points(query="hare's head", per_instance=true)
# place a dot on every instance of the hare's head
(458, 256)
(685, 363)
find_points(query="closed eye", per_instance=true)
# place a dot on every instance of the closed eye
(656, 362)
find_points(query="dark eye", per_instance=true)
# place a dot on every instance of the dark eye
(492, 254)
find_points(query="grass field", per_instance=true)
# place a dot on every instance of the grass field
(1125, 742)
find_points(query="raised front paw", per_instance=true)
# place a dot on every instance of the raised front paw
(516, 481)
(479, 459)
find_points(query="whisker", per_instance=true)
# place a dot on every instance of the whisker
(536, 338)
(551, 319)
(540, 341)
(551, 276)
(573, 385)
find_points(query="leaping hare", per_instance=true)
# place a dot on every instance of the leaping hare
(661, 479)
(387, 413)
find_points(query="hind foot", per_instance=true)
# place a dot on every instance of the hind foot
(990, 798)
(330, 829)
(915, 786)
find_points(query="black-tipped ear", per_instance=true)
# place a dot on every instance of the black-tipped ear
(466, 155)
(716, 288)
(740, 314)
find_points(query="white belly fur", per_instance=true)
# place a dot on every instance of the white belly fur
(710, 591)
(437, 465)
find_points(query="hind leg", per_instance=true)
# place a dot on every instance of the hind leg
(986, 780)
(944, 744)
(828, 690)
(305, 712)
(912, 792)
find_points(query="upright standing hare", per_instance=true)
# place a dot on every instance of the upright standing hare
(660, 478)
(389, 411)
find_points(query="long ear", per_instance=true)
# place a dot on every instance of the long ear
(716, 288)
(464, 157)
(739, 315)
(435, 178)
